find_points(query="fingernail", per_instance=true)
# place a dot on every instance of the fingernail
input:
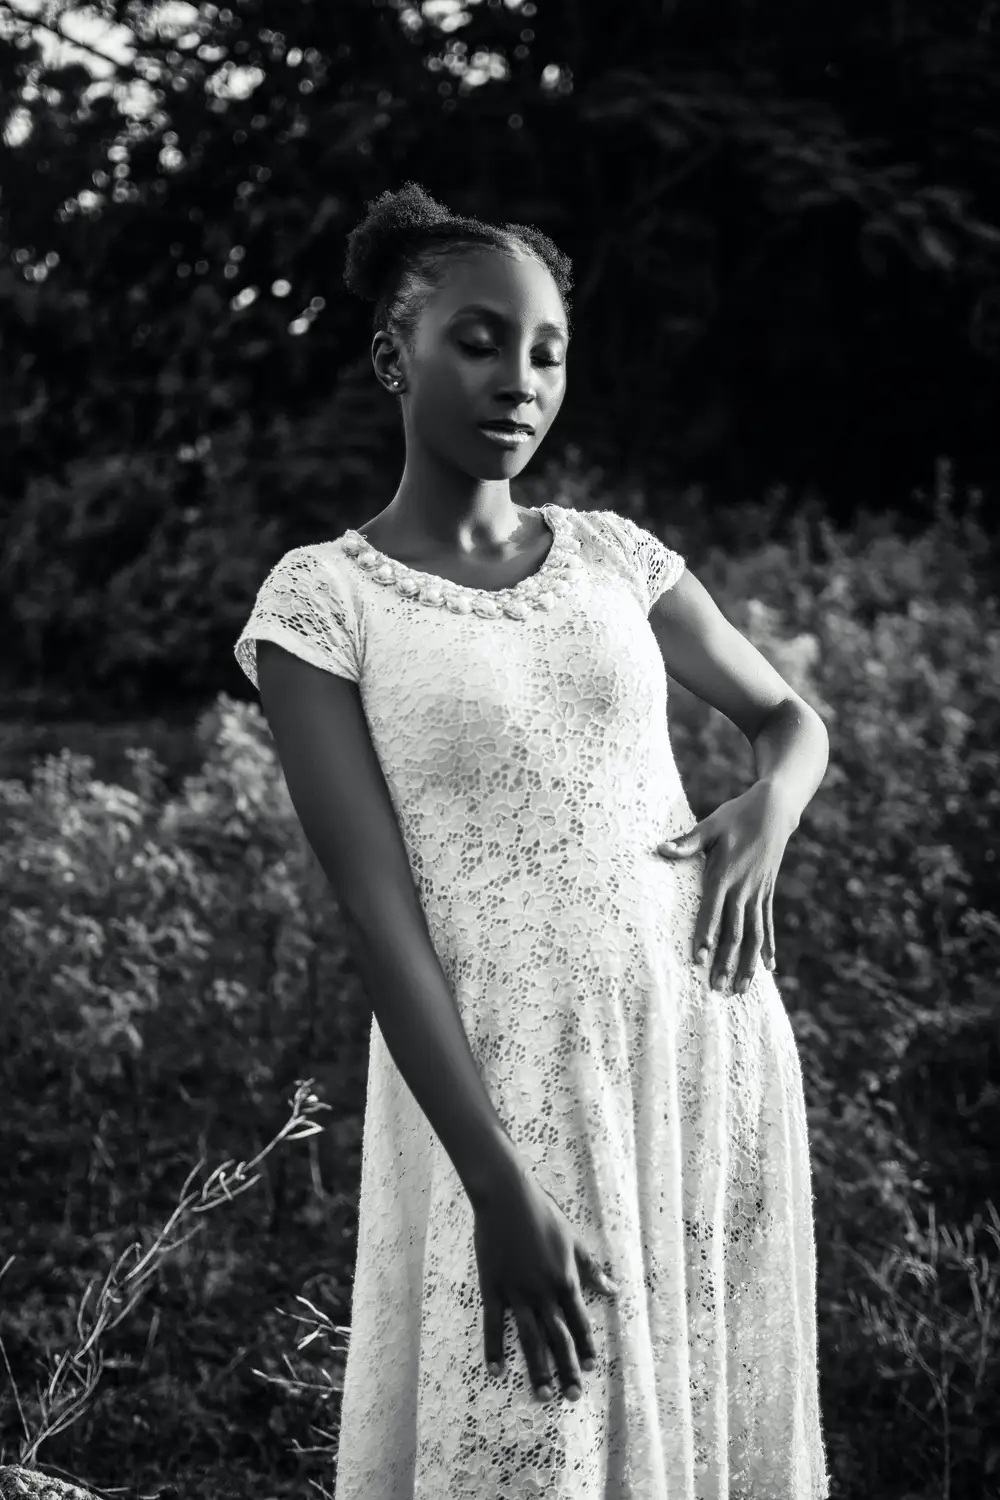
(612, 1286)
(701, 955)
(494, 1368)
(586, 1364)
(572, 1393)
(545, 1393)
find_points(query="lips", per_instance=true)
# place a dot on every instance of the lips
(510, 427)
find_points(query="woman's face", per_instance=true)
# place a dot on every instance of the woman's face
(491, 346)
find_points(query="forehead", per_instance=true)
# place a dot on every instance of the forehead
(517, 289)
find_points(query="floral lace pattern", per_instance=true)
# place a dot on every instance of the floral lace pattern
(523, 735)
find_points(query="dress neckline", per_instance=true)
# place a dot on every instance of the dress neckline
(438, 580)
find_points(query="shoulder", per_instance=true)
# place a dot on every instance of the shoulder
(315, 572)
(312, 560)
(650, 563)
(305, 606)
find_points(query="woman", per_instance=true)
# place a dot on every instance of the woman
(468, 700)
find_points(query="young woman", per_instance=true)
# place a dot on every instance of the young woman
(468, 700)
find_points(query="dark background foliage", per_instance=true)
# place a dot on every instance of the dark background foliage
(783, 221)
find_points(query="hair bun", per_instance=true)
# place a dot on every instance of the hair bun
(393, 221)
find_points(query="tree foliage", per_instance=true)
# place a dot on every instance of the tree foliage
(784, 224)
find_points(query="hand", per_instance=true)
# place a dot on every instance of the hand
(531, 1259)
(744, 841)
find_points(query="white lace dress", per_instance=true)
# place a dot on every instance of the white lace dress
(523, 736)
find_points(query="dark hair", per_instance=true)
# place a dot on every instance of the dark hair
(396, 256)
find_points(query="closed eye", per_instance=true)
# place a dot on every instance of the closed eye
(482, 349)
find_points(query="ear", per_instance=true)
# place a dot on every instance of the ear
(387, 363)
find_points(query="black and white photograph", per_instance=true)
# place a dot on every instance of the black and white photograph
(499, 751)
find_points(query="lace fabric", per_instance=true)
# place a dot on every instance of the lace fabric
(524, 739)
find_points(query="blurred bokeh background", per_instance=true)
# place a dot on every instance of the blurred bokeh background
(785, 224)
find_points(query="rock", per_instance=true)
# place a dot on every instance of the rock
(27, 1484)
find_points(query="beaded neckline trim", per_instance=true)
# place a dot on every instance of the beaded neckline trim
(538, 591)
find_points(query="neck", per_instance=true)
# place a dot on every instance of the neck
(452, 510)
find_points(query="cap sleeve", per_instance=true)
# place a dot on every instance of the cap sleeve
(653, 565)
(301, 606)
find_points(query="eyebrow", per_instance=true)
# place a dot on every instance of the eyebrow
(493, 316)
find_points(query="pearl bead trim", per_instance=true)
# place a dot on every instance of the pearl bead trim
(538, 591)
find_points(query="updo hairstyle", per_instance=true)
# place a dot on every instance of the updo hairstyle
(397, 256)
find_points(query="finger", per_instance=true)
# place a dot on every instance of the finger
(592, 1273)
(493, 1323)
(551, 1320)
(753, 939)
(708, 923)
(535, 1353)
(581, 1330)
(730, 941)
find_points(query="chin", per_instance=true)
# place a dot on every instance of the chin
(505, 461)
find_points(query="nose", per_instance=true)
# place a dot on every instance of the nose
(518, 391)
(518, 378)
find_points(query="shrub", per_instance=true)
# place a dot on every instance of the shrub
(163, 943)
